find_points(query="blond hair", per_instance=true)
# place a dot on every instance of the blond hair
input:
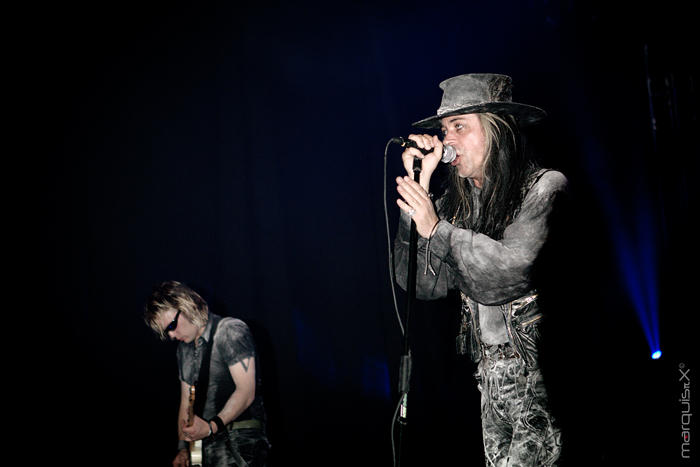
(172, 295)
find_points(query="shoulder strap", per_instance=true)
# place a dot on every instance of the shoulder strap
(202, 382)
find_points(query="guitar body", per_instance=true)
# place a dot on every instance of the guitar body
(196, 456)
(196, 453)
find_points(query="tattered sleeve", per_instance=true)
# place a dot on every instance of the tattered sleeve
(489, 271)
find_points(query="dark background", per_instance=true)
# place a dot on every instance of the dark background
(239, 149)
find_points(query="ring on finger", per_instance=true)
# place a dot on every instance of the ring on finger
(411, 212)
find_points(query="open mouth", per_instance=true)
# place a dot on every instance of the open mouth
(454, 162)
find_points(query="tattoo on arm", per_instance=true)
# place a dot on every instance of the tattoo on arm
(246, 364)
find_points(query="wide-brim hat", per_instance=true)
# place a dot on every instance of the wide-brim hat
(478, 93)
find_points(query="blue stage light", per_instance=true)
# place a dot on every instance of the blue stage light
(634, 227)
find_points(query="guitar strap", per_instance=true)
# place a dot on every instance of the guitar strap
(201, 389)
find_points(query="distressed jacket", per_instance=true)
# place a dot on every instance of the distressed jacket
(485, 270)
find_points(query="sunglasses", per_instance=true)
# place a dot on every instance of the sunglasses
(173, 324)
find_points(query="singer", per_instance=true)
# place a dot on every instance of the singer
(482, 239)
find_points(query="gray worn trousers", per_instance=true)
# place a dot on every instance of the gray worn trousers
(518, 428)
(239, 448)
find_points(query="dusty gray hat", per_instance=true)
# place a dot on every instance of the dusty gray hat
(477, 93)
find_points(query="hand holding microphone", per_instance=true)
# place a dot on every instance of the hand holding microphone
(415, 200)
(449, 153)
(427, 148)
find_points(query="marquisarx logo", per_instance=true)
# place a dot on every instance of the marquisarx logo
(686, 413)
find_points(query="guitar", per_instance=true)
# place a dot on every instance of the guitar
(195, 446)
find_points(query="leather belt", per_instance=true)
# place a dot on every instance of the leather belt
(252, 423)
(500, 351)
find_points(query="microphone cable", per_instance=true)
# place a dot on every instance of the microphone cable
(392, 272)
(392, 281)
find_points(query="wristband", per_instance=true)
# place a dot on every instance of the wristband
(432, 231)
(219, 424)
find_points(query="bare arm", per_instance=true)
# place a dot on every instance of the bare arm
(182, 415)
(243, 374)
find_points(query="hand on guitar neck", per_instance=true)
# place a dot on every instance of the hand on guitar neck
(194, 429)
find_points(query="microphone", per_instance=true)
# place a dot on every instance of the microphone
(449, 153)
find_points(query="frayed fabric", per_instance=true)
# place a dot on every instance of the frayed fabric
(517, 426)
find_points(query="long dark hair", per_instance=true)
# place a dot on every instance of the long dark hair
(506, 168)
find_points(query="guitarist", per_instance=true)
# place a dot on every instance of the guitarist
(229, 416)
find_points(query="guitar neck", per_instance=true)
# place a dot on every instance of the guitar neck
(195, 446)
(190, 410)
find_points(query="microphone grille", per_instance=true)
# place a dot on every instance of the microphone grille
(449, 153)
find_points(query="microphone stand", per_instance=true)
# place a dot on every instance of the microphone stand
(405, 370)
